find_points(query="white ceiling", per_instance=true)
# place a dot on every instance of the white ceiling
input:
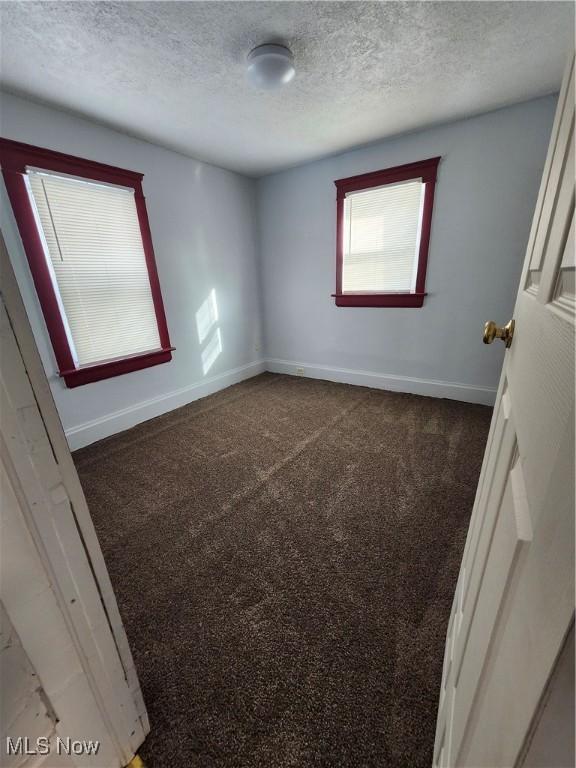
(174, 72)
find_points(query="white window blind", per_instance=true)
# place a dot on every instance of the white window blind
(96, 256)
(382, 238)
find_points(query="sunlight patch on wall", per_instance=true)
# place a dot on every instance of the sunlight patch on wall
(207, 316)
(211, 351)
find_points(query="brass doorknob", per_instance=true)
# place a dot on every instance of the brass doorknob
(492, 331)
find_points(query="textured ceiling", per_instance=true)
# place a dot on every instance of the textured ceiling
(174, 72)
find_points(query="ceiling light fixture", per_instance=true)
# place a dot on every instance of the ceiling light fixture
(270, 66)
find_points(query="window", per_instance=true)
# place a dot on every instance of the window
(383, 231)
(85, 231)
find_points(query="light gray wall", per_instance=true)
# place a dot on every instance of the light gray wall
(203, 228)
(553, 738)
(485, 196)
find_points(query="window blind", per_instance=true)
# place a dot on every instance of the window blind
(96, 256)
(382, 238)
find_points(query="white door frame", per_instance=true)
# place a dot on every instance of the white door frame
(43, 478)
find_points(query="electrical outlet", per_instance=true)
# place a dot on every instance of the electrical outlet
(256, 347)
(299, 371)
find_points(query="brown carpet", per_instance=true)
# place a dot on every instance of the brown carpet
(284, 555)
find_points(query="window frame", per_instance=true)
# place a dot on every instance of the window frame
(15, 158)
(427, 171)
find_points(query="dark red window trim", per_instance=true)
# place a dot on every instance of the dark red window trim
(15, 157)
(424, 169)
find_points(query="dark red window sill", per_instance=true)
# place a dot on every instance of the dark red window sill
(79, 376)
(414, 300)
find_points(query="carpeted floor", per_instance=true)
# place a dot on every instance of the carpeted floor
(284, 555)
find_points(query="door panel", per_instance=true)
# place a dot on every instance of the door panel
(48, 578)
(514, 601)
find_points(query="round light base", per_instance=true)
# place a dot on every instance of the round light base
(270, 67)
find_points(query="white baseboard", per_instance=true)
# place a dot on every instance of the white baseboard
(90, 431)
(430, 387)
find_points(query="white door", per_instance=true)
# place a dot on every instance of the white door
(55, 592)
(514, 601)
